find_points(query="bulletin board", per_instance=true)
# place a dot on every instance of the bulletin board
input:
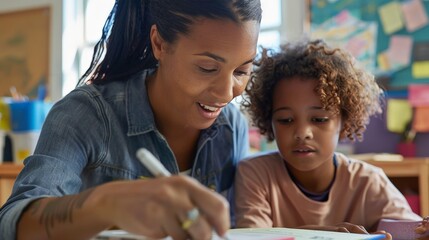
(24, 55)
(368, 10)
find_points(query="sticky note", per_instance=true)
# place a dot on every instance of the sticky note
(420, 69)
(418, 95)
(383, 61)
(391, 17)
(400, 48)
(421, 116)
(398, 55)
(415, 16)
(398, 115)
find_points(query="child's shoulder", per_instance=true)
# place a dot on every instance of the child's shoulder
(362, 174)
(357, 167)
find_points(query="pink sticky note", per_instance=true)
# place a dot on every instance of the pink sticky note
(400, 49)
(414, 14)
(418, 95)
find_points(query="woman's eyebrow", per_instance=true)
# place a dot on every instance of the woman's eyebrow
(219, 58)
(212, 55)
(248, 61)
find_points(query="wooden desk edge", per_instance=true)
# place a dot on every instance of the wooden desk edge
(10, 169)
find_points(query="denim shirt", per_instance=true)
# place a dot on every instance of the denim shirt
(91, 136)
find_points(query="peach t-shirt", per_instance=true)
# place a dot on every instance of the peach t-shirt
(361, 194)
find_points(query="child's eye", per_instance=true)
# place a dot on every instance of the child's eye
(320, 120)
(284, 120)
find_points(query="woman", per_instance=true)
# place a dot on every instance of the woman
(169, 70)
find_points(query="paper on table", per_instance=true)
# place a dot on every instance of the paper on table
(298, 234)
(400, 229)
(232, 235)
(262, 234)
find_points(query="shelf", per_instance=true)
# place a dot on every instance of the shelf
(8, 174)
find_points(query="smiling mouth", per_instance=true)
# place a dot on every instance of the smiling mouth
(208, 108)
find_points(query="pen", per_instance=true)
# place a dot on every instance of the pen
(151, 163)
(155, 167)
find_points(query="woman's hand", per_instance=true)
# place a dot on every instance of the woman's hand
(176, 206)
(159, 207)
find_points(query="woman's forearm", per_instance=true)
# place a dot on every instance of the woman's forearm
(69, 217)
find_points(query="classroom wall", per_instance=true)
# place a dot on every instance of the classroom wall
(377, 138)
(55, 71)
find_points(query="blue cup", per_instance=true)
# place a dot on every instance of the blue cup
(28, 115)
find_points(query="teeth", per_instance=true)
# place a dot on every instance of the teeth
(212, 109)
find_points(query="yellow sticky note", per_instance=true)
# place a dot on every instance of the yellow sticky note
(399, 114)
(420, 69)
(421, 116)
(383, 61)
(391, 17)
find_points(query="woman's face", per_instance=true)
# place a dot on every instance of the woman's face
(202, 71)
(306, 134)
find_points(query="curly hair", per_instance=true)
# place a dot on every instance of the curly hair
(344, 88)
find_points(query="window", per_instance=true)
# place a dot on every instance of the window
(97, 11)
(83, 24)
(271, 23)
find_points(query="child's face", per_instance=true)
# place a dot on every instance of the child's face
(306, 134)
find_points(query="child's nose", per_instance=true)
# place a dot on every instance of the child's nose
(303, 132)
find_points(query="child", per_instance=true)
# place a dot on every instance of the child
(307, 97)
